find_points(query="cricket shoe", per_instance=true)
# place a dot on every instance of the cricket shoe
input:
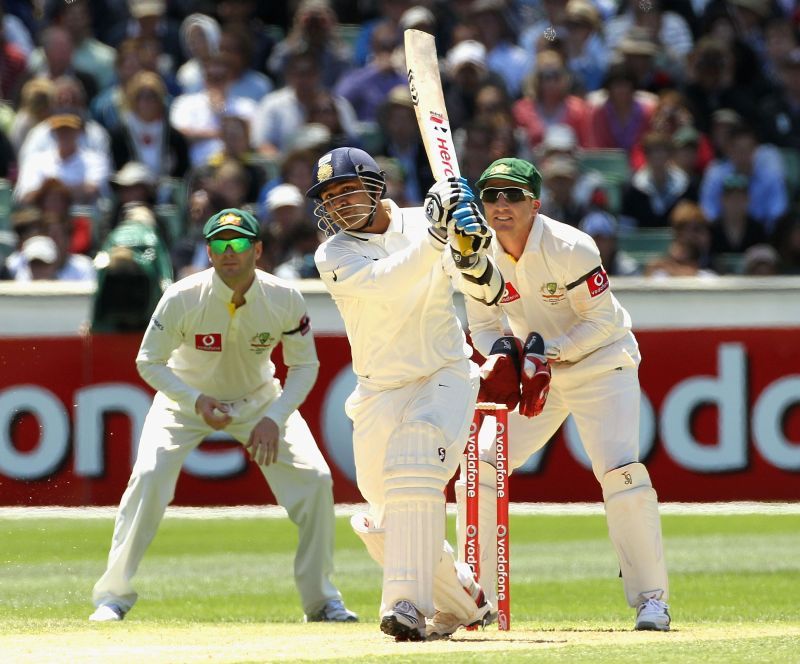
(333, 610)
(443, 625)
(107, 613)
(653, 615)
(404, 622)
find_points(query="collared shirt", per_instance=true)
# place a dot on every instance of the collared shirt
(559, 289)
(395, 294)
(198, 343)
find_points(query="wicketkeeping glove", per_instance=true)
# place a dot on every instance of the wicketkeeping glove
(500, 373)
(469, 235)
(442, 198)
(535, 376)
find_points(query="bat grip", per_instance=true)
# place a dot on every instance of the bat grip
(464, 245)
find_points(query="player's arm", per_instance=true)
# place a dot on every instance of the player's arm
(163, 335)
(300, 357)
(589, 295)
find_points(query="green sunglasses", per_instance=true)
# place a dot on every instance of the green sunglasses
(238, 244)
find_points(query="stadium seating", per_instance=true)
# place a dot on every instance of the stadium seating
(613, 165)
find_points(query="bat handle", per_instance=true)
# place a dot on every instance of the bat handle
(464, 245)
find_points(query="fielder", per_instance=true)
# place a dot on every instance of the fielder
(207, 353)
(556, 284)
(392, 281)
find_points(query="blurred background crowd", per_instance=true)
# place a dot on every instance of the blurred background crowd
(669, 130)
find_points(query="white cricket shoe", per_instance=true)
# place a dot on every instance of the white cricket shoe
(107, 613)
(333, 610)
(443, 625)
(404, 622)
(653, 615)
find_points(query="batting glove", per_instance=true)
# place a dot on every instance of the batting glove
(500, 373)
(469, 236)
(535, 376)
(440, 201)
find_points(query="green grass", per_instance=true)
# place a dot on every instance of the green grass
(222, 590)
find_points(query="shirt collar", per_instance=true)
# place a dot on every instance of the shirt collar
(220, 289)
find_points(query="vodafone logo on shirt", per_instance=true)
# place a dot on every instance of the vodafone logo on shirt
(510, 294)
(211, 342)
(597, 282)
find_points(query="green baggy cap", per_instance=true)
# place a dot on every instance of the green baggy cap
(232, 219)
(515, 170)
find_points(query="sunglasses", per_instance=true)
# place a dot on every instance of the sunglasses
(511, 194)
(238, 244)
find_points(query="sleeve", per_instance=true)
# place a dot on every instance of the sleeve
(163, 335)
(300, 356)
(589, 296)
(485, 325)
(347, 273)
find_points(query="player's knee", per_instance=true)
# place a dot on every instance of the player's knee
(632, 477)
(416, 458)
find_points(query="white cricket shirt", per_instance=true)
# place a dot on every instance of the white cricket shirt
(198, 343)
(395, 294)
(559, 289)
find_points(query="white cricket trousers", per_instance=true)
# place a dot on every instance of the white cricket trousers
(300, 480)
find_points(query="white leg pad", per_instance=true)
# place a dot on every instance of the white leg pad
(452, 581)
(634, 527)
(414, 479)
(487, 526)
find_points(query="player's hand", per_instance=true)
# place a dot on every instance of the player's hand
(469, 236)
(442, 198)
(263, 442)
(500, 373)
(535, 376)
(214, 412)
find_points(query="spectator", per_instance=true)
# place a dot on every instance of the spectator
(559, 177)
(761, 260)
(15, 31)
(295, 168)
(395, 180)
(150, 22)
(587, 53)
(68, 93)
(786, 239)
(135, 184)
(466, 72)
(365, 88)
(302, 241)
(83, 170)
(780, 112)
(198, 115)
(780, 39)
(54, 202)
(712, 85)
(402, 141)
(286, 206)
(55, 59)
(236, 146)
(248, 14)
(39, 254)
(764, 168)
(107, 106)
(548, 102)
(656, 187)
(236, 48)
(199, 37)
(687, 155)
(619, 114)
(281, 113)
(324, 111)
(90, 55)
(26, 222)
(36, 103)
(231, 182)
(12, 65)
(551, 21)
(133, 271)
(650, 66)
(603, 228)
(390, 13)
(503, 56)
(145, 135)
(314, 29)
(689, 253)
(190, 251)
(735, 230)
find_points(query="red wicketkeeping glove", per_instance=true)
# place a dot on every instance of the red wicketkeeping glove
(535, 376)
(500, 373)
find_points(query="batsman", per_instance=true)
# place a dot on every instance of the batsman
(582, 361)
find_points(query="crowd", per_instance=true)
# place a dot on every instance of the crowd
(152, 115)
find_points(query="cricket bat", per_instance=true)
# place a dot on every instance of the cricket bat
(425, 86)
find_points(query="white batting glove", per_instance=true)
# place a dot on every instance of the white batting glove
(440, 201)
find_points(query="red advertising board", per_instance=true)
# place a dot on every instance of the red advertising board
(720, 421)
